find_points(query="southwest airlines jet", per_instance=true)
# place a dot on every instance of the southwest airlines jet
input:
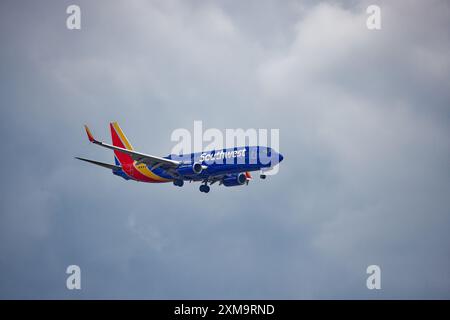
(230, 167)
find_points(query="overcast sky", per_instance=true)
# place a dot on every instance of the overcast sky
(364, 120)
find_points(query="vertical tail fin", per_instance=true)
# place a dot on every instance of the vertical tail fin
(120, 140)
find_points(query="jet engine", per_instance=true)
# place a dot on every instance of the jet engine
(188, 170)
(233, 180)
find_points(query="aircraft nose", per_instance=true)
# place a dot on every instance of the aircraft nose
(280, 157)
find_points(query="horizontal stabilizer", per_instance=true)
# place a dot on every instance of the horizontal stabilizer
(101, 164)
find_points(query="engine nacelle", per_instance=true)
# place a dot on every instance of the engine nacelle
(188, 170)
(233, 180)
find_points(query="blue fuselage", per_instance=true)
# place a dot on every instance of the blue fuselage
(226, 161)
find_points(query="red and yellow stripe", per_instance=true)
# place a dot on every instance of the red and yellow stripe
(139, 172)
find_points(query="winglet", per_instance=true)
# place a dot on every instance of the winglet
(89, 134)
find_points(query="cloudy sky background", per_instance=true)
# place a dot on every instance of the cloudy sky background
(364, 123)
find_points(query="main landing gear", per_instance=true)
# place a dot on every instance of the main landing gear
(204, 188)
(178, 183)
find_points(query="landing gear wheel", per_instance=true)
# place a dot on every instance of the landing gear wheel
(262, 176)
(204, 188)
(178, 183)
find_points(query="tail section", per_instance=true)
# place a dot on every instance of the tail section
(102, 164)
(120, 140)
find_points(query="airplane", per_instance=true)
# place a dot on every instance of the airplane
(229, 167)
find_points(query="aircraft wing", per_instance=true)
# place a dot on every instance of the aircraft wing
(137, 156)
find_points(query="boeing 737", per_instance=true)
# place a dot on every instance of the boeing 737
(229, 167)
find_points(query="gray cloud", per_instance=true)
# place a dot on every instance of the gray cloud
(363, 119)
